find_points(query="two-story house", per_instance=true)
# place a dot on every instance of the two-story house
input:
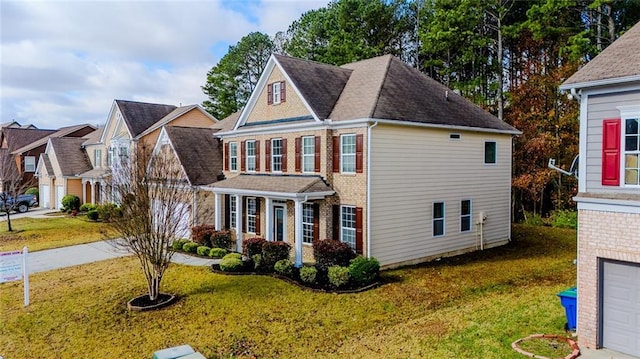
(608, 89)
(13, 137)
(372, 153)
(129, 124)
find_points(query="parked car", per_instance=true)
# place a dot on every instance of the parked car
(20, 205)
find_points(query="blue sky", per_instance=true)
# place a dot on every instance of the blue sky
(64, 62)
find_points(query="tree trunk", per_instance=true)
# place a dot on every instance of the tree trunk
(9, 227)
(500, 71)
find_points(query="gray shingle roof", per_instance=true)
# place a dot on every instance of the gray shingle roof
(94, 137)
(72, 159)
(319, 84)
(621, 59)
(140, 115)
(47, 164)
(62, 132)
(20, 137)
(275, 183)
(199, 153)
(227, 123)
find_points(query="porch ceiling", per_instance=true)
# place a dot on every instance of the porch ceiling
(273, 185)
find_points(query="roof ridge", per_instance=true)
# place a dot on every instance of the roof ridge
(384, 79)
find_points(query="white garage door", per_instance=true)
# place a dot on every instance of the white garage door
(59, 195)
(184, 226)
(45, 196)
(621, 307)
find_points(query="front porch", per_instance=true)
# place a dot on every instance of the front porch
(278, 207)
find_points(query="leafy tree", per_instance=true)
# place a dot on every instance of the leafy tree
(230, 83)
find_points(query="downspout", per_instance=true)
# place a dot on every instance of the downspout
(369, 188)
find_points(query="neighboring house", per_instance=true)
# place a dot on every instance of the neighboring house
(60, 168)
(129, 124)
(26, 157)
(372, 153)
(11, 139)
(608, 88)
(16, 124)
(198, 156)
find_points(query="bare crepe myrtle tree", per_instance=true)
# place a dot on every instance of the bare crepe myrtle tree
(12, 184)
(154, 202)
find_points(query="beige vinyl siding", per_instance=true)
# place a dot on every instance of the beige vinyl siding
(413, 167)
(602, 107)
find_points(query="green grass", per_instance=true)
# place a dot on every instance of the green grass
(47, 233)
(472, 306)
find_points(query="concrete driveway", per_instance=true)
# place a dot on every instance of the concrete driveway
(32, 213)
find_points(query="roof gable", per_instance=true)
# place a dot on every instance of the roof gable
(620, 60)
(71, 157)
(198, 151)
(69, 131)
(139, 116)
(20, 137)
(176, 114)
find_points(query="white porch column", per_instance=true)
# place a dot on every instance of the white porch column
(239, 223)
(84, 192)
(298, 232)
(269, 219)
(93, 192)
(218, 215)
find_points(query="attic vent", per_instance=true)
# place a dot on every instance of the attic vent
(454, 136)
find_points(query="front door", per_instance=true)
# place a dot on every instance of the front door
(278, 223)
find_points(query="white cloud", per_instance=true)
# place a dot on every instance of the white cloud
(65, 62)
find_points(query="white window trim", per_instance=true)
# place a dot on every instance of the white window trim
(470, 215)
(484, 153)
(252, 216)
(309, 157)
(434, 219)
(342, 154)
(233, 212)
(342, 228)
(276, 99)
(629, 115)
(247, 157)
(234, 157)
(33, 165)
(274, 156)
(97, 157)
(307, 206)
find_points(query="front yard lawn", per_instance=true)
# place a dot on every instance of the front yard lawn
(48, 233)
(471, 306)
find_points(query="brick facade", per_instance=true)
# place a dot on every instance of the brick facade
(601, 235)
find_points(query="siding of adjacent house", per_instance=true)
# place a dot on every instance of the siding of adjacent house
(602, 107)
(292, 107)
(74, 186)
(193, 118)
(413, 167)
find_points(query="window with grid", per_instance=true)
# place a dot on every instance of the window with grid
(307, 223)
(308, 154)
(233, 156)
(276, 93)
(348, 225)
(251, 156)
(251, 215)
(29, 163)
(348, 153)
(232, 211)
(97, 158)
(465, 215)
(276, 155)
(632, 152)
(438, 219)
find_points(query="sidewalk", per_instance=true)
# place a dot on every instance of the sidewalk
(42, 261)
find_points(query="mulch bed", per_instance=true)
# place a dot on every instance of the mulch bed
(315, 288)
(142, 303)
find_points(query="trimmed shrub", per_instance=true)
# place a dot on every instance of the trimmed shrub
(190, 247)
(107, 211)
(222, 239)
(178, 244)
(217, 252)
(283, 267)
(88, 207)
(252, 246)
(330, 252)
(201, 234)
(71, 202)
(273, 252)
(92, 215)
(338, 276)
(203, 250)
(363, 270)
(257, 261)
(232, 262)
(308, 274)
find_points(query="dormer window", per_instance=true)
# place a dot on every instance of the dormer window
(276, 93)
